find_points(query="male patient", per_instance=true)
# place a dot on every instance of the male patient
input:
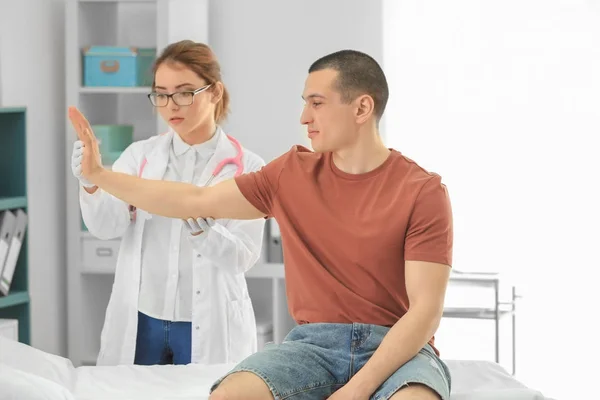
(367, 236)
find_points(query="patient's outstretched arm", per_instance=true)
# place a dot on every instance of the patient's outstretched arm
(169, 199)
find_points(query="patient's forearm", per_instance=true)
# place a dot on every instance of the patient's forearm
(169, 199)
(178, 200)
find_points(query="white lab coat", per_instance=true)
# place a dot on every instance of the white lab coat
(223, 322)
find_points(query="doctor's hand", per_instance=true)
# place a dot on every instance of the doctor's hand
(198, 225)
(90, 161)
(76, 158)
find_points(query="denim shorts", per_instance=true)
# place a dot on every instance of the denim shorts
(314, 360)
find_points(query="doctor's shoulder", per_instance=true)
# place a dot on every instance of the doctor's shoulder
(132, 157)
(252, 161)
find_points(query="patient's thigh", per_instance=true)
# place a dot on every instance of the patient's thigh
(415, 392)
(311, 363)
(242, 385)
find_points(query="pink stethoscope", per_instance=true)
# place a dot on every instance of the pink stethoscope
(237, 161)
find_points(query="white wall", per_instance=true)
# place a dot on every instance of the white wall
(32, 68)
(503, 99)
(265, 48)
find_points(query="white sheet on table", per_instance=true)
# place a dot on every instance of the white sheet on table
(33, 361)
(169, 382)
(472, 380)
(16, 384)
(484, 380)
(25, 369)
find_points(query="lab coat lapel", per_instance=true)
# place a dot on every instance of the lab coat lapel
(223, 150)
(157, 157)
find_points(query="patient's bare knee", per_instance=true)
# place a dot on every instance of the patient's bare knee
(242, 386)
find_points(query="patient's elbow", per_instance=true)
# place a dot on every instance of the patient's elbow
(192, 205)
(429, 314)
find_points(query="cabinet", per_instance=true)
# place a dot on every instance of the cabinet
(13, 196)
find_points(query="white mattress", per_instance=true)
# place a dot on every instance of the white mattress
(27, 373)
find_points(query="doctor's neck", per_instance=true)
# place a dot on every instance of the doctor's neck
(199, 134)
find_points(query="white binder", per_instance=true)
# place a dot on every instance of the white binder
(13, 251)
(274, 245)
(7, 227)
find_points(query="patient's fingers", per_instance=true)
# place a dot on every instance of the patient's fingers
(81, 124)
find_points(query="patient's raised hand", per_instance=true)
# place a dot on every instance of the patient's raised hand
(91, 163)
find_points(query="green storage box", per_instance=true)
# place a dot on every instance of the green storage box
(113, 140)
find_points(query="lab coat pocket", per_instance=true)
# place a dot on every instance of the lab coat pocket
(242, 329)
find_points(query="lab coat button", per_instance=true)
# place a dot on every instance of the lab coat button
(197, 292)
(197, 327)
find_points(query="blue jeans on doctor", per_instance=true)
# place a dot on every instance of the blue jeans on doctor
(162, 342)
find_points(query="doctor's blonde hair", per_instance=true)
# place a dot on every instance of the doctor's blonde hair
(199, 58)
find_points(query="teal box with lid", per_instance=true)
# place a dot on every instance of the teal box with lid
(112, 140)
(117, 66)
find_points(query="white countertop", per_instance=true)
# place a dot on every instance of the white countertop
(276, 270)
(266, 270)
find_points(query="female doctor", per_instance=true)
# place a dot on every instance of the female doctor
(179, 294)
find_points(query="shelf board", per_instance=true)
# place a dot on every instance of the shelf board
(14, 299)
(117, 1)
(115, 89)
(87, 235)
(474, 313)
(10, 203)
(11, 110)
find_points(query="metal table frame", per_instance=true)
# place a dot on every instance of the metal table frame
(500, 309)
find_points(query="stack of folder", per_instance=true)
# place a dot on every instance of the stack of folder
(274, 245)
(12, 231)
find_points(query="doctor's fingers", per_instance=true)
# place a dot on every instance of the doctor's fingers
(210, 221)
(77, 171)
(203, 224)
(193, 225)
(187, 225)
(77, 153)
(76, 163)
(77, 145)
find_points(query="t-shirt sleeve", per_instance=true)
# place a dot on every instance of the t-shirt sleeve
(260, 187)
(430, 230)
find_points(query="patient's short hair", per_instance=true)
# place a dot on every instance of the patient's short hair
(358, 74)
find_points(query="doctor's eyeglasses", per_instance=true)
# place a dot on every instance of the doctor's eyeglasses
(179, 98)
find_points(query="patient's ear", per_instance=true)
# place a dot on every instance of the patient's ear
(364, 108)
